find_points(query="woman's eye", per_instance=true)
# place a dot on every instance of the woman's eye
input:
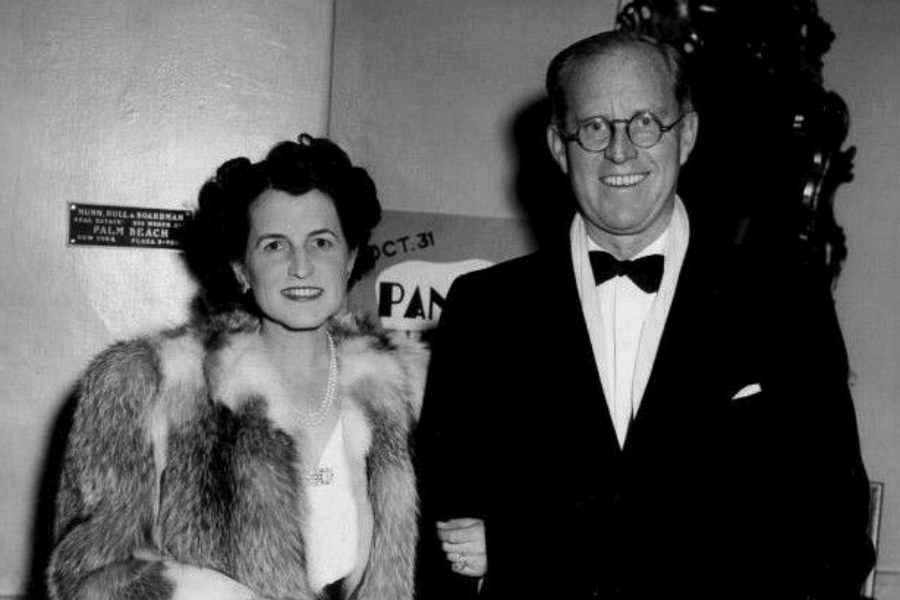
(323, 243)
(273, 246)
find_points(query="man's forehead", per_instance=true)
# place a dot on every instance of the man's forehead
(634, 61)
(633, 72)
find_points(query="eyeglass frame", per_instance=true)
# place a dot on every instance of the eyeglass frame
(611, 124)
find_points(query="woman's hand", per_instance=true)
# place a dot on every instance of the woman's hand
(198, 583)
(465, 545)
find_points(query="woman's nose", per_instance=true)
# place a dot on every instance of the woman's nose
(300, 266)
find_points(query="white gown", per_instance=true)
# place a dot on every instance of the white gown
(333, 531)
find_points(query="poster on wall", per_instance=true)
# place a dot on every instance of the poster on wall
(417, 257)
(126, 226)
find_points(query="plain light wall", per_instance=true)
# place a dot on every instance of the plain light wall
(424, 92)
(123, 102)
(863, 66)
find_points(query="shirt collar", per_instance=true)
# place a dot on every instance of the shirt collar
(658, 246)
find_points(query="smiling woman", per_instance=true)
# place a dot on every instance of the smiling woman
(297, 260)
(260, 451)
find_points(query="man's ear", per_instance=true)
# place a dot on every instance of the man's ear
(557, 148)
(688, 136)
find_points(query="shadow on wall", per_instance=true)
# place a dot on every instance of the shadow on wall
(539, 187)
(45, 510)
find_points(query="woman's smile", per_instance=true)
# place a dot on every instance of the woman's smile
(297, 260)
(302, 293)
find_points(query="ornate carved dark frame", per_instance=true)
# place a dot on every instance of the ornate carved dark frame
(761, 61)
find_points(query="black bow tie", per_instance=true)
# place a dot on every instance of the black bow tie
(646, 272)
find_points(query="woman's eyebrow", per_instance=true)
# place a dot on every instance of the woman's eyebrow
(322, 230)
(264, 236)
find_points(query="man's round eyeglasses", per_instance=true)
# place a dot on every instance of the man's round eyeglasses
(644, 129)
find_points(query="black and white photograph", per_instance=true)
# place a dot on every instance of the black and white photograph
(450, 300)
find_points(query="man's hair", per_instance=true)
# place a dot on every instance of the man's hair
(565, 64)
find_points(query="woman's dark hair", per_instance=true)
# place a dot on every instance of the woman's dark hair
(217, 234)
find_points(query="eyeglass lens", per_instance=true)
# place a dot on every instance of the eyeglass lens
(643, 129)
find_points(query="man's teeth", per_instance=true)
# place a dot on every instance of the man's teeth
(304, 292)
(623, 180)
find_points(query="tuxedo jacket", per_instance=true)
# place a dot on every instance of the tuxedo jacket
(740, 476)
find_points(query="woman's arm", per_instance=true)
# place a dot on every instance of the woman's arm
(105, 509)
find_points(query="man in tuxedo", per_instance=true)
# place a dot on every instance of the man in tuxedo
(634, 412)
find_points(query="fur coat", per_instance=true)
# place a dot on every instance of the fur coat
(180, 480)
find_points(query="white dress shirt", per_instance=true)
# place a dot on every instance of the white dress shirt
(624, 322)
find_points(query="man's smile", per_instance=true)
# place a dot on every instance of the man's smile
(623, 181)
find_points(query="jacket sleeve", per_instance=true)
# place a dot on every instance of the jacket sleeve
(104, 521)
(804, 512)
(449, 438)
(841, 554)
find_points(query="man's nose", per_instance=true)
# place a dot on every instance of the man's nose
(620, 148)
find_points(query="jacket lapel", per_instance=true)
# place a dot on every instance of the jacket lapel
(687, 364)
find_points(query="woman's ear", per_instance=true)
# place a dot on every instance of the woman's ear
(240, 273)
(351, 261)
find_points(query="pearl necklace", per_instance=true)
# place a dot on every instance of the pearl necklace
(316, 417)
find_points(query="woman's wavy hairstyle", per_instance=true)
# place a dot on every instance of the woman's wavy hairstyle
(217, 234)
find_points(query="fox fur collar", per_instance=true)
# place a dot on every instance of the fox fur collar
(179, 461)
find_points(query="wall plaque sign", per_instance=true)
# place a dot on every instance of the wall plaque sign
(126, 226)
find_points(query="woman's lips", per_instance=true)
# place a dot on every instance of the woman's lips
(302, 293)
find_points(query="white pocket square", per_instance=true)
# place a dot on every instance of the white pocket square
(748, 390)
